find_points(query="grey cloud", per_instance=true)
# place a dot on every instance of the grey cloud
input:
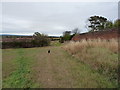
(52, 18)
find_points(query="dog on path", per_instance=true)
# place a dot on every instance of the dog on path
(48, 51)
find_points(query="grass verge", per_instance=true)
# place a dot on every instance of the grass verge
(20, 78)
(101, 55)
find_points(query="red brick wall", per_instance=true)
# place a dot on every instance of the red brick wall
(108, 34)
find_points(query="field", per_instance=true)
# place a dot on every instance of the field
(35, 68)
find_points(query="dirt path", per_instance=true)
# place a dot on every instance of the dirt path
(60, 70)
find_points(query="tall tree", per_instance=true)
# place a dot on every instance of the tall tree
(97, 23)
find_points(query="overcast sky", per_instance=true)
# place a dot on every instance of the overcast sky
(52, 18)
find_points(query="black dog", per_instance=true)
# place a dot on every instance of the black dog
(48, 51)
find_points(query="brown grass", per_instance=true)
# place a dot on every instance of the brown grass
(74, 47)
(99, 54)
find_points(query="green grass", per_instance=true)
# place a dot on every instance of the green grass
(34, 67)
(102, 60)
(55, 43)
(20, 78)
(88, 76)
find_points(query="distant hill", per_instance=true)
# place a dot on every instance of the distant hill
(13, 35)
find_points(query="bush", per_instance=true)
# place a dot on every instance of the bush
(40, 40)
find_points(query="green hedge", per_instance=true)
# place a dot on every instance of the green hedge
(24, 44)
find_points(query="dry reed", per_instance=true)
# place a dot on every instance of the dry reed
(100, 54)
(75, 47)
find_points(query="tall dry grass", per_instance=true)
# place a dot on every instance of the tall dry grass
(74, 47)
(99, 54)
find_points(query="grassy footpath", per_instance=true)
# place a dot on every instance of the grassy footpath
(34, 67)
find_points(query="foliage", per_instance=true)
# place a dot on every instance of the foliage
(16, 44)
(109, 25)
(97, 23)
(61, 40)
(74, 31)
(66, 35)
(40, 40)
(117, 23)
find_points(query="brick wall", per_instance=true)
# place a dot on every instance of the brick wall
(107, 34)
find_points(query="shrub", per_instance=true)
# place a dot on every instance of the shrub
(40, 40)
